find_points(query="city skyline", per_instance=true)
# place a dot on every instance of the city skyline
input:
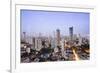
(54, 36)
(46, 22)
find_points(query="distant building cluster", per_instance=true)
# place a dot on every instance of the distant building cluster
(53, 48)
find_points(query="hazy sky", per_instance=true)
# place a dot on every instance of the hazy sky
(47, 22)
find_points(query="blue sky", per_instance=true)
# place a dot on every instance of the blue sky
(47, 22)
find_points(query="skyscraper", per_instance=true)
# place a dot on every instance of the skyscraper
(71, 33)
(24, 36)
(58, 37)
(33, 39)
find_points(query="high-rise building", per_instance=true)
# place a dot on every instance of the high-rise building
(71, 33)
(33, 40)
(38, 43)
(80, 39)
(24, 36)
(58, 37)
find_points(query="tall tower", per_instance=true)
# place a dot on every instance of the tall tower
(58, 37)
(24, 36)
(71, 33)
(33, 39)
